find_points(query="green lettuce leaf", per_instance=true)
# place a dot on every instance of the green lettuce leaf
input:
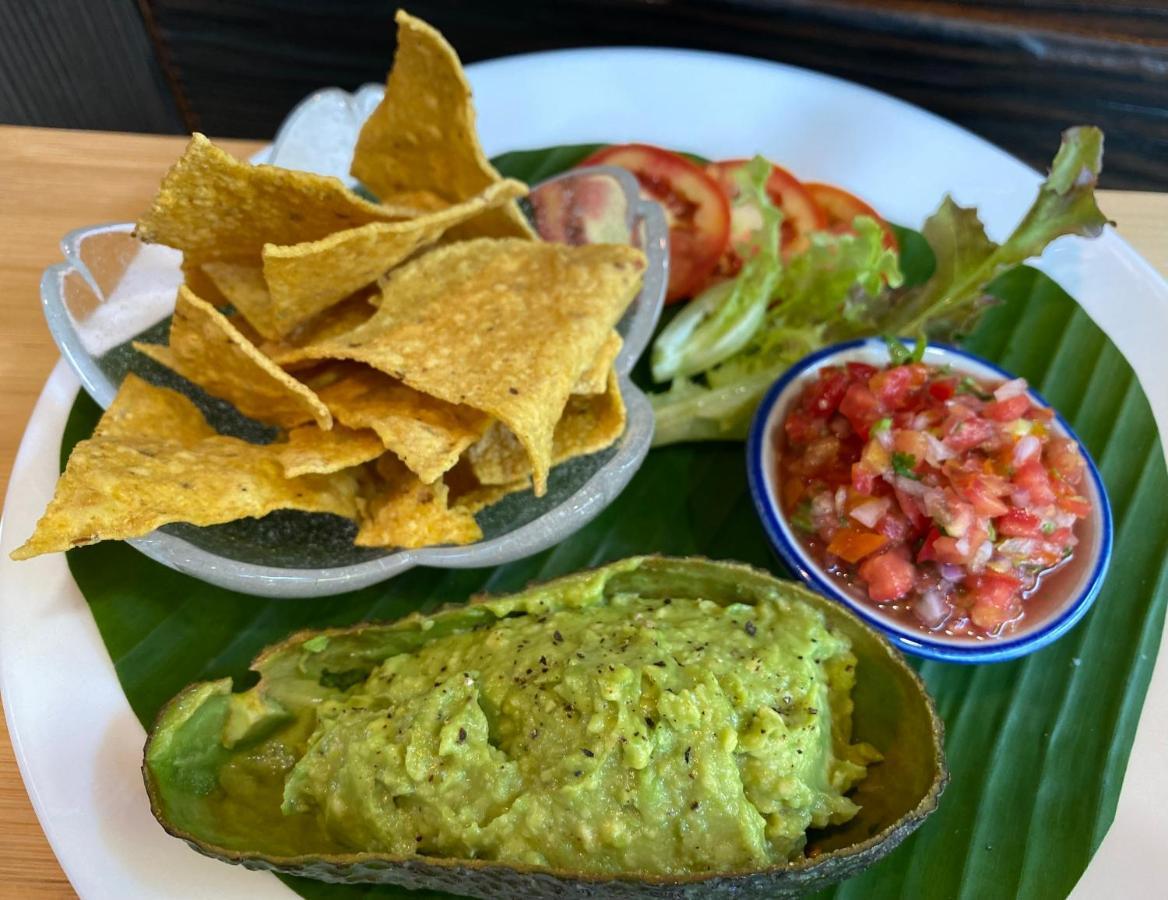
(723, 318)
(950, 302)
(848, 286)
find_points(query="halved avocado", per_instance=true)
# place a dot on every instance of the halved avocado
(197, 733)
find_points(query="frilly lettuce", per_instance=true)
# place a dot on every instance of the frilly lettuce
(724, 354)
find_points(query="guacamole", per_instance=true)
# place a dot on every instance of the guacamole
(595, 732)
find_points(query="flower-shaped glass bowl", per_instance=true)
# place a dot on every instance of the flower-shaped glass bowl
(1079, 580)
(112, 290)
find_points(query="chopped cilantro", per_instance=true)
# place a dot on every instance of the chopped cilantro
(992, 532)
(901, 355)
(802, 517)
(1048, 527)
(881, 425)
(904, 464)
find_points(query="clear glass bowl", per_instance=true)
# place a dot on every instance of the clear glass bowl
(112, 290)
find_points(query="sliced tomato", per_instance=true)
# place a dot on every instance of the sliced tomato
(695, 207)
(801, 215)
(841, 208)
(861, 408)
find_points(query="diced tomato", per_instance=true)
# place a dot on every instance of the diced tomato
(802, 428)
(892, 385)
(889, 576)
(841, 209)
(861, 408)
(982, 492)
(911, 509)
(912, 442)
(965, 434)
(927, 553)
(1065, 460)
(823, 395)
(943, 389)
(696, 209)
(1075, 505)
(1007, 410)
(1018, 523)
(945, 550)
(858, 371)
(852, 545)
(1034, 480)
(994, 598)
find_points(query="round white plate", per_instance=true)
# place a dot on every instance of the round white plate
(78, 744)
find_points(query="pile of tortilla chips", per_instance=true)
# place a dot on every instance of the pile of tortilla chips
(422, 356)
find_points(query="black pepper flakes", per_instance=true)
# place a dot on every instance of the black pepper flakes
(557, 637)
(750, 629)
(588, 753)
(660, 664)
(649, 721)
(688, 751)
(462, 735)
(695, 805)
(577, 773)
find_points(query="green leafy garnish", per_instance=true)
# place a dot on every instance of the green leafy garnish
(905, 464)
(723, 351)
(881, 425)
(968, 386)
(900, 355)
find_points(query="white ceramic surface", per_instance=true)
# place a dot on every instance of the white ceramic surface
(80, 760)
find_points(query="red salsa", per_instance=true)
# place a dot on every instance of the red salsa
(939, 497)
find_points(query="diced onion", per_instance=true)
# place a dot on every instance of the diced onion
(871, 511)
(931, 608)
(1013, 388)
(1026, 449)
(951, 572)
(938, 452)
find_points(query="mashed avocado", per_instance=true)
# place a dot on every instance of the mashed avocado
(593, 732)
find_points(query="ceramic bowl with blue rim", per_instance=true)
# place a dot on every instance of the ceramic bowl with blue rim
(1069, 596)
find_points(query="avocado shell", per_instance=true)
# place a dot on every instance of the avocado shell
(185, 750)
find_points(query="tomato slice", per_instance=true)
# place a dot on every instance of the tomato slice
(841, 208)
(801, 215)
(697, 211)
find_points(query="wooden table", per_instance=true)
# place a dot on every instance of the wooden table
(53, 181)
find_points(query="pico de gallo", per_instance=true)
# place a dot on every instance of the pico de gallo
(937, 496)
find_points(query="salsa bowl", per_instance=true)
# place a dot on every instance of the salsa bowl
(1064, 593)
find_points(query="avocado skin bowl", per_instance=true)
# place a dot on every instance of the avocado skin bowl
(892, 711)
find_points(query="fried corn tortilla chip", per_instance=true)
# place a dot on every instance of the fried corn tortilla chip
(306, 279)
(469, 494)
(309, 450)
(340, 319)
(422, 135)
(243, 286)
(504, 326)
(426, 433)
(149, 464)
(594, 379)
(590, 423)
(211, 206)
(207, 349)
(403, 512)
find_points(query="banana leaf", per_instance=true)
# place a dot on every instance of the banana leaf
(1037, 747)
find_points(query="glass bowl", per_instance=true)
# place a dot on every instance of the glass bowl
(1078, 592)
(112, 290)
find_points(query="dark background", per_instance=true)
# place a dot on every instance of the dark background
(1015, 71)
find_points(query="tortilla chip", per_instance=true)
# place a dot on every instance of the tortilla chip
(469, 494)
(403, 512)
(590, 424)
(141, 410)
(243, 286)
(340, 319)
(198, 281)
(422, 135)
(427, 434)
(120, 484)
(504, 326)
(310, 451)
(211, 206)
(594, 379)
(305, 279)
(207, 349)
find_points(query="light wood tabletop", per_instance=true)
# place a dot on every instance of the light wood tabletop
(53, 181)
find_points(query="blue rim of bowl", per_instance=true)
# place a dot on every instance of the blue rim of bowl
(794, 557)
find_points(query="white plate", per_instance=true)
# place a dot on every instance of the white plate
(79, 746)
